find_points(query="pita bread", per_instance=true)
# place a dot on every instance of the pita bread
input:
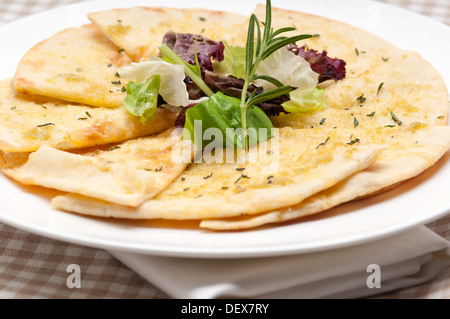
(77, 65)
(29, 122)
(207, 190)
(127, 173)
(411, 151)
(139, 31)
(409, 96)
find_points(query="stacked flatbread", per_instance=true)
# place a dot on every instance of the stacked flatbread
(63, 126)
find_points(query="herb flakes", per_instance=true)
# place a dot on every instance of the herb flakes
(113, 148)
(46, 124)
(379, 87)
(358, 52)
(356, 140)
(208, 176)
(395, 119)
(323, 143)
(241, 177)
(361, 99)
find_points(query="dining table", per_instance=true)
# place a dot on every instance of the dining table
(36, 266)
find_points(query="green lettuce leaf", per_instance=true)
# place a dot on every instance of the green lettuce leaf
(283, 65)
(306, 101)
(233, 62)
(172, 88)
(142, 98)
(220, 117)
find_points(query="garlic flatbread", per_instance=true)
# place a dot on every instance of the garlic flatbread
(127, 173)
(28, 122)
(282, 174)
(389, 94)
(411, 150)
(77, 65)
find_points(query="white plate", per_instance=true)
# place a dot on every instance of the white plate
(420, 200)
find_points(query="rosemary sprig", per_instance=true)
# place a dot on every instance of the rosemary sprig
(256, 51)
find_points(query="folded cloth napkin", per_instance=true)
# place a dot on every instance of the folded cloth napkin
(367, 269)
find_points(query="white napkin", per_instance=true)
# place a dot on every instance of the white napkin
(404, 260)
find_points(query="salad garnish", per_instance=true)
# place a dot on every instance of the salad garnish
(233, 90)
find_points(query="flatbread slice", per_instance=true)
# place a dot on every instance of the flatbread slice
(139, 30)
(390, 93)
(28, 122)
(274, 175)
(411, 151)
(127, 173)
(77, 65)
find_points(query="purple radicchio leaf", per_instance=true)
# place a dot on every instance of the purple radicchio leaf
(327, 68)
(185, 44)
(181, 118)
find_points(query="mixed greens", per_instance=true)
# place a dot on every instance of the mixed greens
(233, 90)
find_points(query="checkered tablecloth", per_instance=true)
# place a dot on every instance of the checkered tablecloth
(32, 266)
